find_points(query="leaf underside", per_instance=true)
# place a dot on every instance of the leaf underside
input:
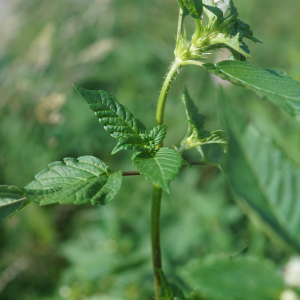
(266, 180)
(160, 168)
(12, 200)
(274, 86)
(79, 181)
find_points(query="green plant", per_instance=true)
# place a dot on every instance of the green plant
(268, 197)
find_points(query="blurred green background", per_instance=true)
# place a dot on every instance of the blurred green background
(124, 47)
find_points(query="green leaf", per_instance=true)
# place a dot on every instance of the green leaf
(79, 181)
(196, 134)
(266, 180)
(247, 278)
(131, 142)
(209, 7)
(157, 134)
(117, 120)
(160, 168)
(194, 118)
(274, 86)
(191, 7)
(12, 199)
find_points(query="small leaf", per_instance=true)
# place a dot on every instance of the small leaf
(265, 179)
(157, 134)
(117, 120)
(196, 134)
(78, 181)
(159, 168)
(274, 86)
(191, 7)
(12, 199)
(242, 277)
(130, 142)
(194, 118)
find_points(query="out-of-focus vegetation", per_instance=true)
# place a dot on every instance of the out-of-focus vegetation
(124, 47)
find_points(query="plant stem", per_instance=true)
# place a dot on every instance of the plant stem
(155, 238)
(180, 24)
(165, 90)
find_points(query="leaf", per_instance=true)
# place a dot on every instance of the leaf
(266, 180)
(12, 199)
(196, 134)
(247, 278)
(157, 134)
(79, 181)
(159, 168)
(194, 118)
(117, 120)
(274, 86)
(191, 7)
(130, 142)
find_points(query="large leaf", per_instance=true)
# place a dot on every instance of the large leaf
(275, 86)
(159, 168)
(12, 200)
(265, 179)
(117, 120)
(220, 278)
(82, 180)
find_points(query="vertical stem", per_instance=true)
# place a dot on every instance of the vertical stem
(180, 23)
(157, 191)
(155, 238)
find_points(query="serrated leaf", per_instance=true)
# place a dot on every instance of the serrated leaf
(160, 168)
(12, 200)
(157, 134)
(265, 179)
(131, 142)
(274, 86)
(194, 118)
(79, 181)
(117, 120)
(196, 134)
(247, 278)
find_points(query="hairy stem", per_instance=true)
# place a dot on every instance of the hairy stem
(165, 90)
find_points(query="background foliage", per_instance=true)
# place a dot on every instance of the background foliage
(124, 47)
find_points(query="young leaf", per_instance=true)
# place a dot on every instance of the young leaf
(117, 120)
(270, 197)
(157, 134)
(274, 86)
(191, 7)
(242, 277)
(79, 181)
(12, 199)
(159, 168)
(130, 142)
(196, 134)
